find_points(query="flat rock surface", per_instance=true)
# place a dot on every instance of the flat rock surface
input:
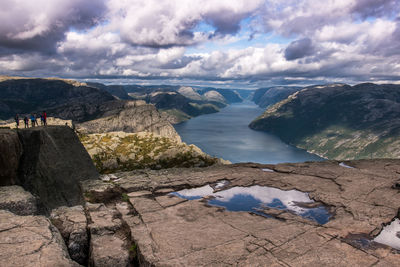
(31, 241)
(17, 200)
(170, 231)
(109, 242)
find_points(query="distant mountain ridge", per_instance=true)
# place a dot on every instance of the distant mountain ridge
(339, 121)
(69, 100)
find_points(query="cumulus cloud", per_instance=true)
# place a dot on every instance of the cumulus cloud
(334, 40)
(39, 25)
(169, 23)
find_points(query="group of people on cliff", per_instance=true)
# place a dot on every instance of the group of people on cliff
(33, 118)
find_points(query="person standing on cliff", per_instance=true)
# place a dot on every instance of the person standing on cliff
(26, 121)
(33, 119)
(16, 120)
(44, 118)
(36, 117)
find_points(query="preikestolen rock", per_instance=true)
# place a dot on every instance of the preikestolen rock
(31, 241)
(16, 200)
(72, 224)
(110, 237)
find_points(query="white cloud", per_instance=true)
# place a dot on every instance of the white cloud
(331, 39)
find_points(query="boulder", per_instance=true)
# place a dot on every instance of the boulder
(31, 240)
(11, 151)
(72, 223)
(16, 200)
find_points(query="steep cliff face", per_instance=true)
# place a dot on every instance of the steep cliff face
(48, 162)
(11, 151)
(339, 121)
(134, 116)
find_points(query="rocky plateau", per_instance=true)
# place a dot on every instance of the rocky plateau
(132, 219)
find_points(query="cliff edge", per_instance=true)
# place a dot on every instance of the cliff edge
(49, 162)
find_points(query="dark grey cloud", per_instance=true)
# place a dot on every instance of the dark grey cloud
(376, 8)
(226, 22)
(38, 25)
(299, 49)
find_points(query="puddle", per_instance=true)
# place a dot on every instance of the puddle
(390, 235)
(254, 198)
(341, 164)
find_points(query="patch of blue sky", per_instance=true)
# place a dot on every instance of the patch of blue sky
(242, 41)
(246, 37)
(203, 26)
(102, 23)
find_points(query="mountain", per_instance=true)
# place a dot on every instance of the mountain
(130, 117)
(190, 93)
(230, 95)
(115, 90)
(67, 99)
(258, 94)
(265, 98)
(175, 106)
(339, 121)
(245, 94)
(214, 96)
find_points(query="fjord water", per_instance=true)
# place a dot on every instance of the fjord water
(226, 135)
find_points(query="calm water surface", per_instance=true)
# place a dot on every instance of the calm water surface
(226, 135)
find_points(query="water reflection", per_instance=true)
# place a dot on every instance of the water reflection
(254, 198)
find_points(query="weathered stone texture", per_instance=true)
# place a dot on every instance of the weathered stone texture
(170, 231)
(31, 241)
(18, 201)
(72, 224)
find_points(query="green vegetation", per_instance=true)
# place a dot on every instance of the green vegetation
(119, 151)
(338, 121)
(124, 197)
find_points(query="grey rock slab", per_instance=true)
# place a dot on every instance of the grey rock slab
(144, 205)
(17, 200)
(140, 194)
(169, 200)
(31, 240)
(108, 250)
(72, 224)
(110, 236)
(104, 220)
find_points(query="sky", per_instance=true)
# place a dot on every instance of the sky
(221, 43)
